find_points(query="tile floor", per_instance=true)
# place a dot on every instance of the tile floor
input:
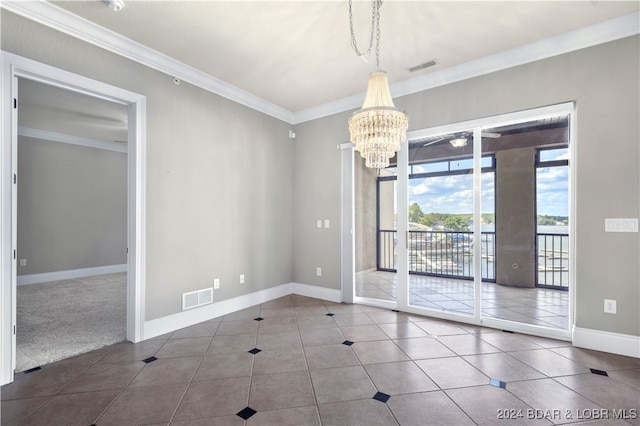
(539, 306)
(297, 360)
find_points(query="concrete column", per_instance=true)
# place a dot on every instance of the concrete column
(515, 217)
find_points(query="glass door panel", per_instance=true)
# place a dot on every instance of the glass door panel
(376, 234)
(440, 238)
(530, 223)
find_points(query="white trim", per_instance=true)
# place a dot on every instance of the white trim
(59, 19)
(606, 341)
(14, 67)
(69, 274)
(324, 293)
(28, 132)
(64, 21)
(602, 32)
(167, 324)
(170, 323)
(347, 211)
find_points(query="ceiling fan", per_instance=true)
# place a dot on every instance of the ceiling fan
(460, 140)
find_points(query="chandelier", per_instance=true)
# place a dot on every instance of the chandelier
(378, 129)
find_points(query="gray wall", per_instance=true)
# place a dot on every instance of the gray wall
(365, 214)
(603, 81)
(219, 175)
(72, 206)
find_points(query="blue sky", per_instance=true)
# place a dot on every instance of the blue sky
(454, 194)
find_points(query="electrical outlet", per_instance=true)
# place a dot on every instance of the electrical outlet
(23, 262)
(216, 283)
(319, 272)
(242, 279)
(610, 306)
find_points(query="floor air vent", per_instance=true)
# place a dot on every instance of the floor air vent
(197, 298)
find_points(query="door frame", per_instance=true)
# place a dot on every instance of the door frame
(14, 67)
(476, 125)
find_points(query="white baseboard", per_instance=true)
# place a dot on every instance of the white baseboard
(160, 326)
(69, 274)
(329, 294)
(616, 343)
(170, 323)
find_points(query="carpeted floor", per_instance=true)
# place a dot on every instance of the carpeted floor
(61, 319)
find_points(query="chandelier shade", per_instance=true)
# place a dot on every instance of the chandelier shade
(378, 129)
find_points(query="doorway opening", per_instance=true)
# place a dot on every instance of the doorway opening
(71, 224)
(19, 73)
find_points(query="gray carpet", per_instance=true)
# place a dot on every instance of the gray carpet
(61, 319)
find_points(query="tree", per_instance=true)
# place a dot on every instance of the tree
(457, 223)
(415, 213)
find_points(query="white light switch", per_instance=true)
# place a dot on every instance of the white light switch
(326, 223)
(621, 225)
(319, 223)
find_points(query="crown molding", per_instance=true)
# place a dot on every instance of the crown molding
(603, 32)
(59, 19)
(70, 139)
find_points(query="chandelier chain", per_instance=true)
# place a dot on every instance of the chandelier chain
(375, 28)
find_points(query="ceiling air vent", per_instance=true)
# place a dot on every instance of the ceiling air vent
(424, 65)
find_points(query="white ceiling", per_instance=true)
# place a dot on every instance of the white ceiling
(297, 54)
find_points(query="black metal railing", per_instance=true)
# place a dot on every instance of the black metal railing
(451, 254)
(439, 253)
(553, 261)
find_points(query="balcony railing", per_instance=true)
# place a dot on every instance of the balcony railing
(451, 254)
(553, 261)
(440, 253)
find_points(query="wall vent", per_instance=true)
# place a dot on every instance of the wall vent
(197, 298)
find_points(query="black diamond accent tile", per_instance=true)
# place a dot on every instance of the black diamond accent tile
(31, 370)
(507, 331)
(259, 319)
(498, 383)
(255, 351)
(330, 314)
(246, 412)
(395, 310)
(382, 397)
(600, 372)
(150, 359)
(347, 342)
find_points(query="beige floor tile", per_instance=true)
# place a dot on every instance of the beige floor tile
(361, 412)
(341, 384)
(328, 356)
(213, 398)
(452, 372)
(427, 408)
(397, 378)
(284, 390)
(378, 351)
(144, 405)
(307, 416)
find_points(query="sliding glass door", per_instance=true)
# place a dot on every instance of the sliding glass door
(480, 226)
